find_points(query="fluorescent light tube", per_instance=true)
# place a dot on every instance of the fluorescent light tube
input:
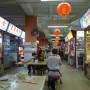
(49, 0)
(56, 26)
(51, 35)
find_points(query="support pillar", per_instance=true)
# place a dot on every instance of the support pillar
(30, 39)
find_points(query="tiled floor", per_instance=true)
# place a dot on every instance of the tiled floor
(73, 79)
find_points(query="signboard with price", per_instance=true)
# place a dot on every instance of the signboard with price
(3, 24)
(14, 30)
(85, 20)
(23, 35)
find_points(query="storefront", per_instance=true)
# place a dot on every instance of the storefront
(3, 27)
(9, 35)
(20, 51)
(85, 25)
(9, 49)
(72, 48)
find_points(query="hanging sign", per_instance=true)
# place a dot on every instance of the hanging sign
(3, 24)
(70, 35)
(14, 30)
(85, 19)
(23, 35)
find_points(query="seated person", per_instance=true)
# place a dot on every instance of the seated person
(34, 55)
(40, 55)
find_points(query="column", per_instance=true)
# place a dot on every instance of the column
(30, 39)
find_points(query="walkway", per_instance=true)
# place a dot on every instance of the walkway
(73, 79)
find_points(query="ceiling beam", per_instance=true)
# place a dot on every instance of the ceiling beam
(26, 7)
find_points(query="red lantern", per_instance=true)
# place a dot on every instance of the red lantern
(56, 32)
(64, 9)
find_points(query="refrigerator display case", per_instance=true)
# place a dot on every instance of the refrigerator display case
(79, 49)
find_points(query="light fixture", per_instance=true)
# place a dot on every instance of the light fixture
(52, 35)
(56, 26)
(64, 9)
(49, 0)
(54, 39)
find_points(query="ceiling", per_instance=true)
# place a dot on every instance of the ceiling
(11, 11)
(46, 12)
(15, 10)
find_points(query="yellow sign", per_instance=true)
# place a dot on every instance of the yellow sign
(70, 36)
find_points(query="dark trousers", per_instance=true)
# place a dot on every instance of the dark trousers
(51, 83)
(53, 79)
(29, 69)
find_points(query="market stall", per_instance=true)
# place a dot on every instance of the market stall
(85, 25)
(72, 48)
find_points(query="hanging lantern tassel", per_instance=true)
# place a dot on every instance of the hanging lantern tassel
(64, 9)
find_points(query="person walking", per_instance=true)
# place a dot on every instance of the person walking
(54, 62)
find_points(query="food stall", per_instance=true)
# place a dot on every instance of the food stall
(87, 52)
(72, 48)
(85, 25)
(3, 27)
(9, 35)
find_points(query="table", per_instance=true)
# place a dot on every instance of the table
(32, 63)
(40, 66)
(37, 84)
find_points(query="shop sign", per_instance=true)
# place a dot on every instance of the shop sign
(80, 33)
(3, 24)
(23, 35)
(69, 36)
(14, 30)
(85, 20)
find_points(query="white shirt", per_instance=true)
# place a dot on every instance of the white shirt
(54, 62)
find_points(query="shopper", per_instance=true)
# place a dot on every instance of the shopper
(54, 62)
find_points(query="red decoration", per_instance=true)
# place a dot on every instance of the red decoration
(56, 32)
(56, 42)
(64, 9)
